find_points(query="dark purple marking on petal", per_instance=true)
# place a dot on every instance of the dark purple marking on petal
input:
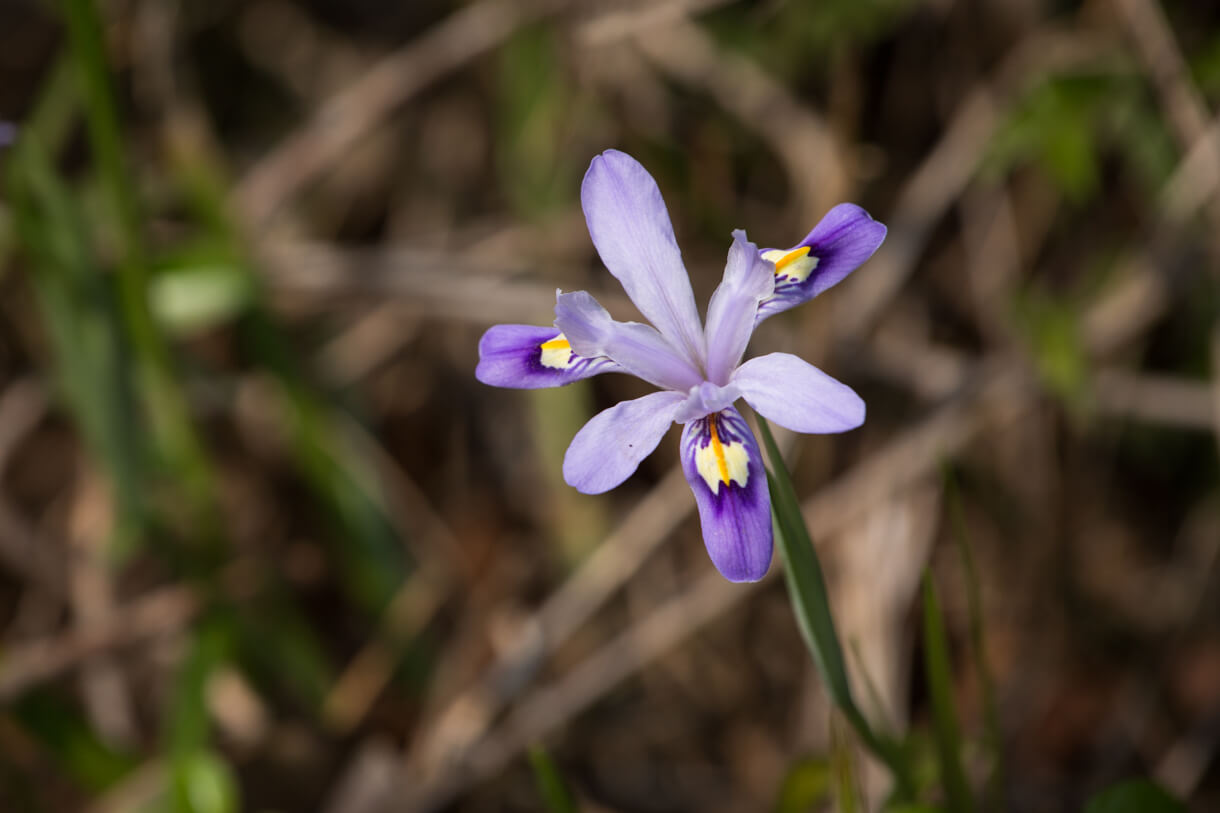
(724, 468)
(840, 243)
(517, 356)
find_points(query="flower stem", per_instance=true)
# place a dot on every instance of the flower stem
(810, 604)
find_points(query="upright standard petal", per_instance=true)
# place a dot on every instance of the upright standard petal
(797, 395)
(725, 470)
(845, 238)
(705, 399)
(748, 279)
(610, 447)
(638, 349)
(630, 226)
(527, 357)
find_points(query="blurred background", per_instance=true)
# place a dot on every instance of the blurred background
(266, 544)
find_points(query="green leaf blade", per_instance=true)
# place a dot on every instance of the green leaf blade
(937, 670)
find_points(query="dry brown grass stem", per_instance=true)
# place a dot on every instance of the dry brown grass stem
(437, 284)
(22, 407)
(944, 174)
(1158, 48)
(466, 719)
(161, 612)
(814, 163)
(358, 109)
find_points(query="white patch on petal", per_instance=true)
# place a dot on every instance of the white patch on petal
(557, 353)
(793, 266)
(719, 462)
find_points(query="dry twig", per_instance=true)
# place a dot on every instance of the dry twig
(351, 114)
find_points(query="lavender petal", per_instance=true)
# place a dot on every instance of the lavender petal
(797, 395)
(706, 399)
(630, 226)
(639, 349)
(527, 357)
(610, 447)
(839, 244)
(724, 468)
(748, 279)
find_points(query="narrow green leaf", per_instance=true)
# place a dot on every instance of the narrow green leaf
(936, 668)
(59, 727)
(1134, 796)
(974, 606)
(77, 304)
(535, 111)
(848, 798)
(810, 603)
(201, 781)
(204, 783)
(164, 397)
(280, 649)
(188, 722)
(803, 572)
(554, 791)
(806, 784)
(372, 561)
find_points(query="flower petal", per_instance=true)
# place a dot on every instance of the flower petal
(527, 357)
(639, 349)
(630, 226)
(725, 470)
(845, 238)
(797, 395)
(610, 447)
(748, 279)
(705, 399)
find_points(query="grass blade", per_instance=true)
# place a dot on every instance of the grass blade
(164, 397)
(936, 668)
(91, 355)
(974, 607)
(810, 603)
(554, 791)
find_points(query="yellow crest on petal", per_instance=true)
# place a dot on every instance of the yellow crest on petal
(793, 266)
(557, 353)
(720, 462)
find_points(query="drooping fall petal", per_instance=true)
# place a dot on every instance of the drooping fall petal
(724, 468)
(527, 357)
(845, 238)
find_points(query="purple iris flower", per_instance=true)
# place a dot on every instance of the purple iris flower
(698, 368)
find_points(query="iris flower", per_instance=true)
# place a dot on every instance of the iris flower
(697, 367)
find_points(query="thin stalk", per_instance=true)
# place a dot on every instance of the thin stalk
(811, 605)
